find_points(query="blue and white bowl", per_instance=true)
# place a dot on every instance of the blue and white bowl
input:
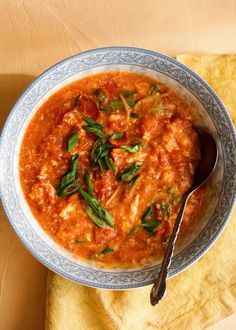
(207, 110)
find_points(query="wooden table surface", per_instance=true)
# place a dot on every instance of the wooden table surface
(35, 34)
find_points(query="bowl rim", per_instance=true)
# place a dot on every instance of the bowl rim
(105, 50)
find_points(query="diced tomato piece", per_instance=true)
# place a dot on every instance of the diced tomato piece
(168, 103)
(180, 120)
(88, 107)
(168, 227)
(164, 159)
(117, 123)
(104, 235)
(111, 87)
(176, 157)
(119, 156)
(142, 88)
(104, 185)
(121, 141)
(147, 124)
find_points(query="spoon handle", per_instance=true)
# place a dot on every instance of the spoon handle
(159, 287)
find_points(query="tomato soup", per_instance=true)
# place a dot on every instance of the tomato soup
(104, 164)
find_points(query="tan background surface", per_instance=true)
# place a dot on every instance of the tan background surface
(34, 34)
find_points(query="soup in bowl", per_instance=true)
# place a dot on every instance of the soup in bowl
(96, 156)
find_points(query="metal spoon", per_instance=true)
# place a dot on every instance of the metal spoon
(205, 168)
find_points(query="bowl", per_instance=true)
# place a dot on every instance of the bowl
(208, 111)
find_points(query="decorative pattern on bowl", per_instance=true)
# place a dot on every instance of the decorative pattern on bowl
(208, 111)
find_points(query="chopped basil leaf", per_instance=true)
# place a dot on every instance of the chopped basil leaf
(88, 183)
(165, 207)
(128, 174)
(72, 141)
(100, 211)
(91, 122)
(133, 147)
(134, 115)
(117, 135)
(70, 176)
(98, 221)
(154, 89)
(107, 251)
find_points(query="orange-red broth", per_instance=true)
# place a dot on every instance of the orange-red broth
(169, 158)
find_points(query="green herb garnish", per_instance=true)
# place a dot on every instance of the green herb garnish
(134, 115)
(129, 97)
(148, 214)
(92, 122)
(151, 224)
(99, 210)
(70, 189)
(96, 131)
(113, 105)
(132, 181)
(128, 94)
(99, 155)
(133, 147)
(72, 141)
(88, 183)
(78, 241)
(102, 165)
(100, 96)
(131, 103)
(154, 89)
(165, 207)
(92, 216)
(94, 152)
(69, 177)
(99, 151)
(129, 173)
(94, 127)
(117, 135)
(107, 251)
(110, 164)
(148, 222)
(173, 193)
(133, 230)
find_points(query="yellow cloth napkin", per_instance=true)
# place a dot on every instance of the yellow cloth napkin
(197, 298)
